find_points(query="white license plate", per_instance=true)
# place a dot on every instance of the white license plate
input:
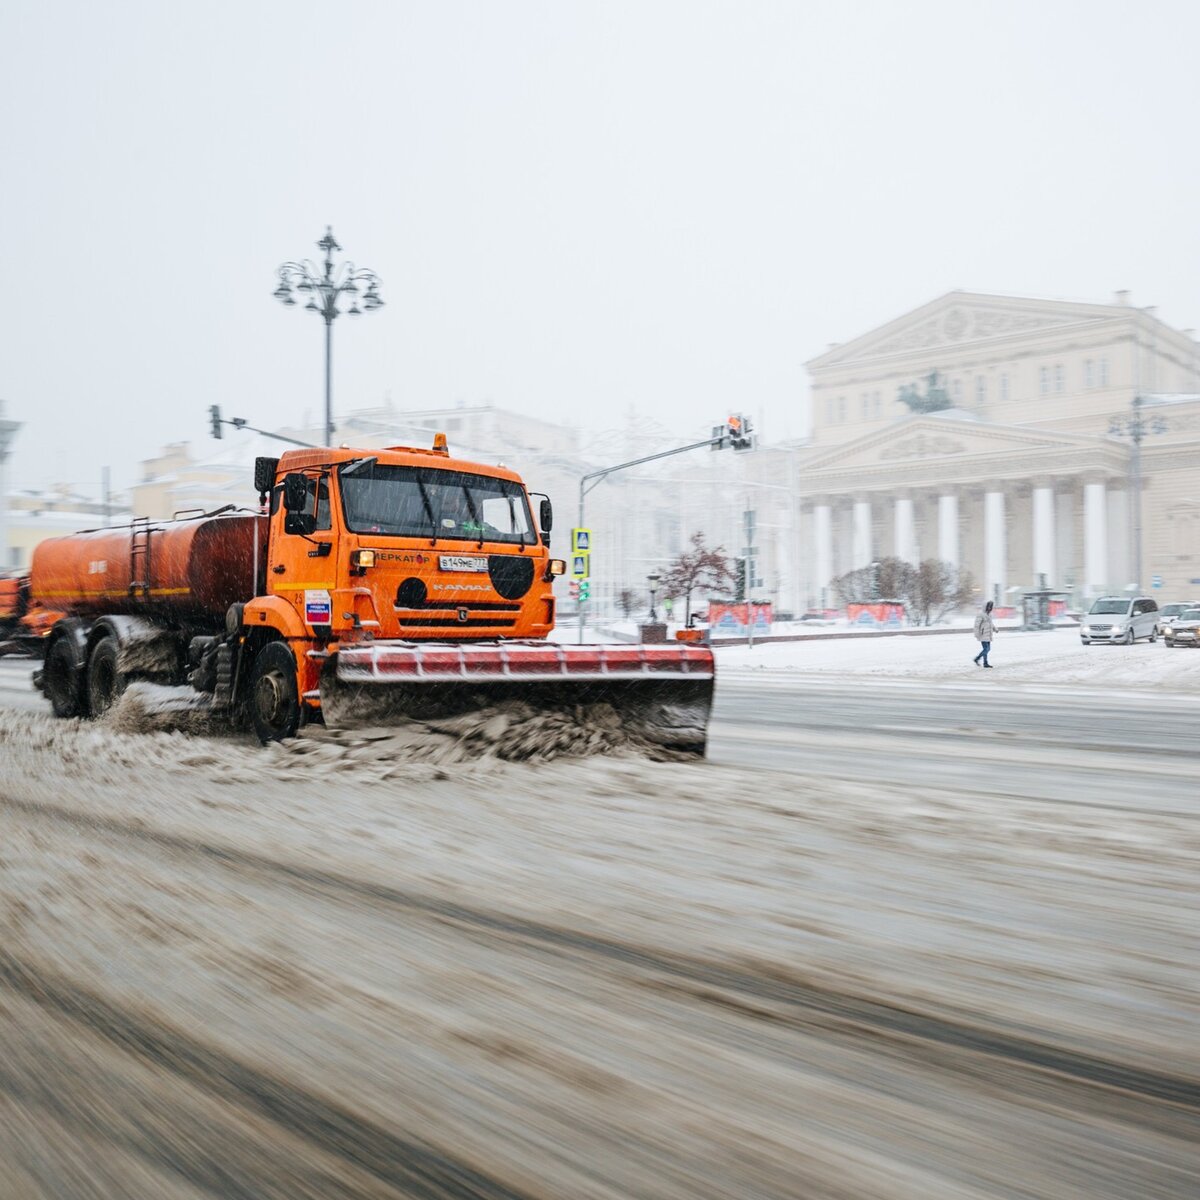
(454, 562)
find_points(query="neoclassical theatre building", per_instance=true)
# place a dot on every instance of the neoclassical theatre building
(1024, 467)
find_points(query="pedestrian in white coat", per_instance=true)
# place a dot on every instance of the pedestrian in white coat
(985, 630)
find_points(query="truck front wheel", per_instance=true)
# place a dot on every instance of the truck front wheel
(62, 681)
(274, 698)
(104, 682)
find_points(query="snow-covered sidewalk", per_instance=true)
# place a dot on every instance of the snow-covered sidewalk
(1050, 657)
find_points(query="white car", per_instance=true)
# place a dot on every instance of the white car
(1121, 619)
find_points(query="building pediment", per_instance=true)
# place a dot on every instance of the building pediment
(961, 318)
(927, 437)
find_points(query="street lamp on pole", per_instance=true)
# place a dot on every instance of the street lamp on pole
(1136, 427)
(653, 580)
(324, 288)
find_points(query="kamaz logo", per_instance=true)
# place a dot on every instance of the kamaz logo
(463, 615)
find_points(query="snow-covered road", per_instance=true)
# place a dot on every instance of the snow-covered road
(899, 956)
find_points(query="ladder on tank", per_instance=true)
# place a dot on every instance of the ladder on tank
(139, 557)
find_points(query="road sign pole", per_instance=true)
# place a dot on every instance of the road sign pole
(579, 603)
(749, 605)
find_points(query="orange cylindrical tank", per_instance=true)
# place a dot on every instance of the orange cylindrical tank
(193, 568)
(11, 605)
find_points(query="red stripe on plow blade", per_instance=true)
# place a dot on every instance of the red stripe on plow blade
(392, 662)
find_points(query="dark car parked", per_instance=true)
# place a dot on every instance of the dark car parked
(1185, 629)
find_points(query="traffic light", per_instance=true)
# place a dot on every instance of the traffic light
(214, 413)
(574, 585)
(739, 586)
(741, 432)
(585, 589)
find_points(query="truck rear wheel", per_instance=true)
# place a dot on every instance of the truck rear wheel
(105, 683)
(274, 698)
(62, 682)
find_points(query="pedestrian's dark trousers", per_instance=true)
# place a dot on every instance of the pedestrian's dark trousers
(984, 652)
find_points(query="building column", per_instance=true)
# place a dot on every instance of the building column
(823, 549)
(948, 528)
(862, 551)
(906, 531)
(1043, 534)
(995, 547)
(1095, 537)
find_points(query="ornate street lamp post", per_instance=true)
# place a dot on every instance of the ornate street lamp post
(652, 579)
(323, 291)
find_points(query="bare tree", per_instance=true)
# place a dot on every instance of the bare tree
(700, 567)
(889, 579)
(939, 588)
(928, 591)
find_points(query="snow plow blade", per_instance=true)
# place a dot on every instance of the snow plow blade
(662, 694)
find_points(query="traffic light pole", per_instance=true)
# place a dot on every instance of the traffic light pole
(589, 481)
(240, 423)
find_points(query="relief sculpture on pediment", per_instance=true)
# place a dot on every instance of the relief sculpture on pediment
(995, 322)
(919, 337)
(923, 445)
(965, 323)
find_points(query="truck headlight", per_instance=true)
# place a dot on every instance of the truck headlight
(556, 566)
(362, 559)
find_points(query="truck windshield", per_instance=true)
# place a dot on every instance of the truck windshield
(427, 502)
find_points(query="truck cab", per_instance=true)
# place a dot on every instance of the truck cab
(407, 543)
(401, 544)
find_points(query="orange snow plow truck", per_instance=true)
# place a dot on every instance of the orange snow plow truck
(369, 586)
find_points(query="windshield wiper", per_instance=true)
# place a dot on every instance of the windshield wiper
(359, 464)
(474, 514)
(512, 520)
(428, 510)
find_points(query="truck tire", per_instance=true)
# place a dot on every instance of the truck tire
(62, 682)
(274, 699)
(105, 683)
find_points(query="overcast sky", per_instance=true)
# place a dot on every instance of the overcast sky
(578, 209)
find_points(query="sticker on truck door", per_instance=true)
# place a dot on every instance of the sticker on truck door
(318, 608)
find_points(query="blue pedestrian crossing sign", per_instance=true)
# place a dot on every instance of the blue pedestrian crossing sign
(581, 541)
(580, 567)
(1156, 581)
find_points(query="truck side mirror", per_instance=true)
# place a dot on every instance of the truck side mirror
(295, 501)
(295, 492)
(546, 515)
(299, 522)
(264, 474)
